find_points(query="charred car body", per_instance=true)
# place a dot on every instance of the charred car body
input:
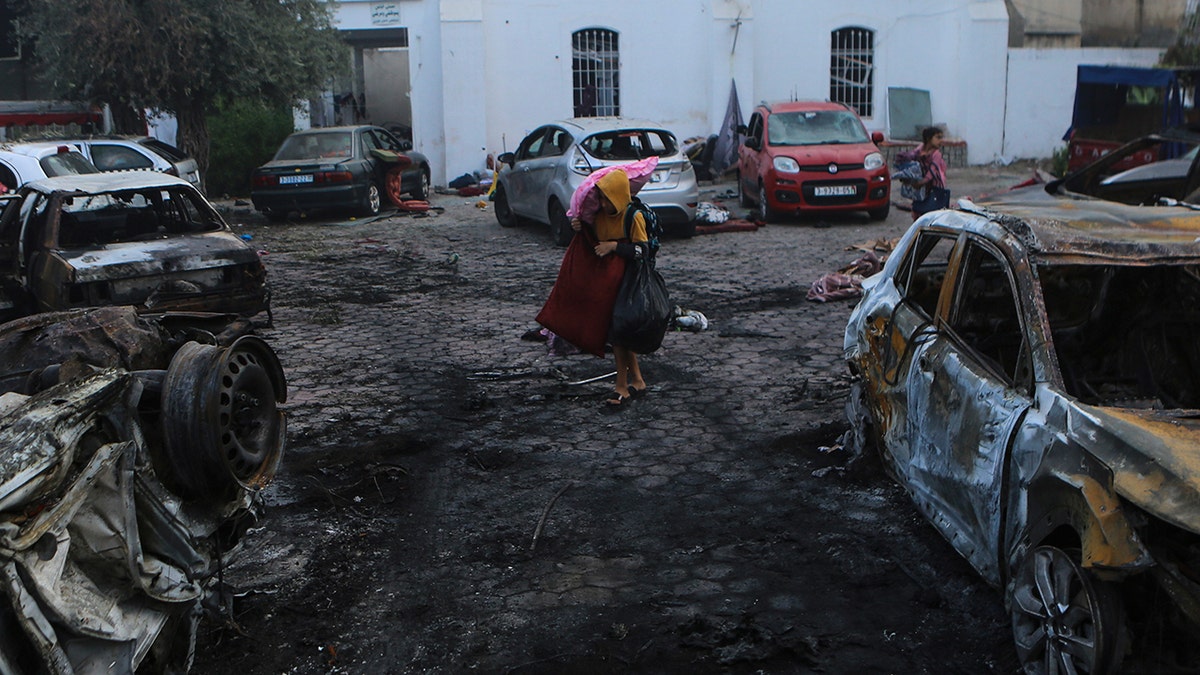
(138, 238)
(132, 451)
(1029, 370)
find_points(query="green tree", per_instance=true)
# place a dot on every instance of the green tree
(184, 57)
(1186, 50)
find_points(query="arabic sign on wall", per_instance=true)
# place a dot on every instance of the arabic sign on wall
(385, 14)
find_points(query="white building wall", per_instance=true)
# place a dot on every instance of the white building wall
(1041, 94)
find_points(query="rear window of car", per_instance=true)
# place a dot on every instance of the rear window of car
(164, 150)
(133, 215)
(815, 127)
(66, 164)
(628, 144)
(324, 145)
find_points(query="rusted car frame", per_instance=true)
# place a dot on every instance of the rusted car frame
(1030, 374)
(132, 453)
(137, 238)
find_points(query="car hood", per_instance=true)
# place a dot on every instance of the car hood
(852, 153)
(163, 256)
(1154, 456)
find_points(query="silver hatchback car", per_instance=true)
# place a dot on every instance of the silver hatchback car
(536, 181)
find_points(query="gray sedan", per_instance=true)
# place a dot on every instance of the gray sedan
(536, 182)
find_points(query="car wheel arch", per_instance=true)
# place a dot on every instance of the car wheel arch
(1076, 511)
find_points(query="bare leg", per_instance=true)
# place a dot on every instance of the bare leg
(622, 357)
(634, 380)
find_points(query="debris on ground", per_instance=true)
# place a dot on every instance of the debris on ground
(688, 319)
(711, 214)
(846, 283)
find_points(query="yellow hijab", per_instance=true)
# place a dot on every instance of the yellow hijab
(611, 226)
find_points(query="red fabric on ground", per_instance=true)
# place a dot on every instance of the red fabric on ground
(580, 305)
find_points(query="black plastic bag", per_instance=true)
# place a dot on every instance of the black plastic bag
(643, 308)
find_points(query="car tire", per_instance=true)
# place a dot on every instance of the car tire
(504, 213)
(743, 198)
(560, 225)
(880, 213)
(372, 201)
(765, 213)
(422, 191)
(1082, 620)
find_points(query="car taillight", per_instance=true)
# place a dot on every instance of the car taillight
(265, 180)
(332, 177)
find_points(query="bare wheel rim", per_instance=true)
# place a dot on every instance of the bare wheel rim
(1063, 621)
(247, 417)
(373, 201)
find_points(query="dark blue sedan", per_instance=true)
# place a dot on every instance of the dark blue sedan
(348, 168)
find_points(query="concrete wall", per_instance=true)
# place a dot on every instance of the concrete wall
(1041, 94)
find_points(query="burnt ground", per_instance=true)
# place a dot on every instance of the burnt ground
(450, 501)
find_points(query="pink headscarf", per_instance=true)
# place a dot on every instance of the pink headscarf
(585, 202)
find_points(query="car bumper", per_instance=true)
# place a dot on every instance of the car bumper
(842, 193)
(309, 197)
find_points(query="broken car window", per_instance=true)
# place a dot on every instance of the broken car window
(128, 216)
(630, 144)
(986, 315)
(818, 127)
(1126, 335)
(924, 269)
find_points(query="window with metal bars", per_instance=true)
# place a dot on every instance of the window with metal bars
(852, 68)
(595, 63)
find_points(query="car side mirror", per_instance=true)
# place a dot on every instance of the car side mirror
(507, 158)
(876, 136)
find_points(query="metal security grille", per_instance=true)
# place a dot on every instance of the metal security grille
(596, 65)
(852, 68)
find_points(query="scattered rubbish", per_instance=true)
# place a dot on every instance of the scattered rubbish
(246, 237)
(728, 194)
(590, 380)
(481, 204)
(462, 181)
(537, 531)
(471, 191)
(688, 319)
(708, 212)
(451, 259)
(846, 283)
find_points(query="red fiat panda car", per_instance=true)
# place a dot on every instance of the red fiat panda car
(811, 156)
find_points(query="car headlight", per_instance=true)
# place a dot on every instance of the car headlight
(873, 161)
(786, 165)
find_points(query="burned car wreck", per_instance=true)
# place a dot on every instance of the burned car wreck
(132, 454)
(137, 238)
(1029, 370)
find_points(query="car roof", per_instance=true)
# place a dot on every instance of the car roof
(1065, 230)
(592, 125)
(35, 149)
(801, 106)
(106, 182)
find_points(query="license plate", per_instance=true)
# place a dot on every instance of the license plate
(292, 180)
(833, 191)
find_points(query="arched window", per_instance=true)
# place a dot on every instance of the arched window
(596, 63)
(852, 68)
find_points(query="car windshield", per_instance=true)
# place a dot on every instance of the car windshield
(316, 145)
(66, 164)
(815, 127)
(1125, 335)
(630, 144)
(133, 215)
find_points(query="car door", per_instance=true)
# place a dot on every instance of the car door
(521, 184)
(748, 155)
(969, 384)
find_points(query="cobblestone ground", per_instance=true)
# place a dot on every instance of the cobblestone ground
(450, 501)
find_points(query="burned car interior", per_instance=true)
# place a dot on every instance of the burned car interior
(133, 215)
(1126, 336)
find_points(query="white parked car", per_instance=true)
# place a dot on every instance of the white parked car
(134, 153)
(21, 163)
